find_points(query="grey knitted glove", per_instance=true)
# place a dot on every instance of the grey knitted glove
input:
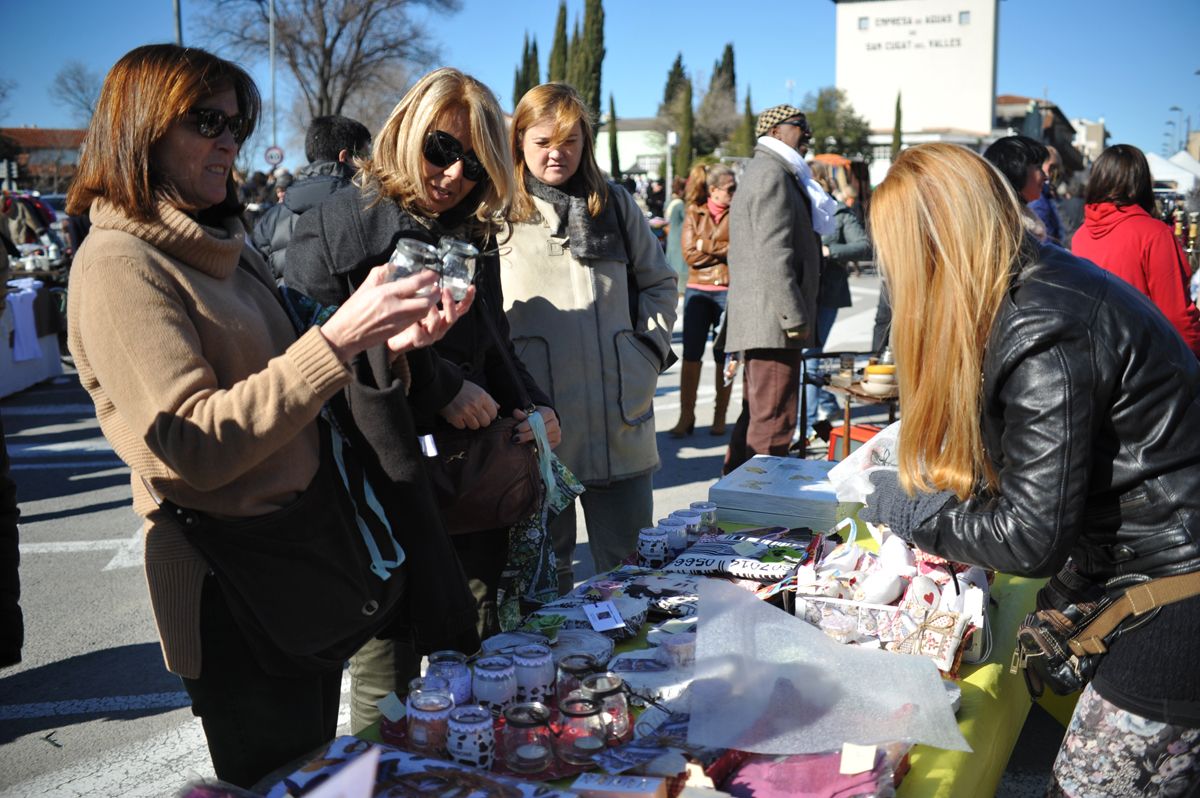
(890, 505)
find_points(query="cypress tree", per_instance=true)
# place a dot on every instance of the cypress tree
(683, 151)
(557, 68)
(675, 79)
(533, 70)
(896, 138)
(743, 140)
(520, 75)
(592, 58)
(574, 56)
(613, 157)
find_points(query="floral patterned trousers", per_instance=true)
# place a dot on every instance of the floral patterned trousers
(1110, 752)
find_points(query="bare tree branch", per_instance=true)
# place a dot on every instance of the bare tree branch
(7, 87)
(77, 89)
(334, 49)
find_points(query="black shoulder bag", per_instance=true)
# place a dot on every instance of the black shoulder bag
(308, 584)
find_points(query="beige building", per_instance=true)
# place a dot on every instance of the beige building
(938, 55)
(1090, 138)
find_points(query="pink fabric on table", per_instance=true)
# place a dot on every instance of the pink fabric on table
(802, 776)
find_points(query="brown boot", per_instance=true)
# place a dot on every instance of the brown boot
(689, 381)
(722, 402)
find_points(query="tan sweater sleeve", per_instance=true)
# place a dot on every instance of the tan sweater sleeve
(149, 358)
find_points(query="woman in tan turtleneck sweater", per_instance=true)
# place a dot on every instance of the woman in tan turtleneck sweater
(200, 383)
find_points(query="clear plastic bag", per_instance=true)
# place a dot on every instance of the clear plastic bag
(851, 477)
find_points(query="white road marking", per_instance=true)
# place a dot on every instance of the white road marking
(29, 450)
(95, 706)
(130, 555)
(148, 769)
(73, 546)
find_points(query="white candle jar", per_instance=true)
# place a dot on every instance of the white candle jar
(534, 666)
(471, 737)
(495, 683)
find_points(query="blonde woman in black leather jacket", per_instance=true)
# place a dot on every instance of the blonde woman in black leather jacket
(1050, 416)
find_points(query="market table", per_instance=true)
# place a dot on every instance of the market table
(994, 706)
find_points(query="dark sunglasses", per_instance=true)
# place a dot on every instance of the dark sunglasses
(211, 123)
(804, 128)
(443, 150)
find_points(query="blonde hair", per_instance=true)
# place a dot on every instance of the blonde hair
(947, 229)
(394, 169)
(823, 174)
(562, 105)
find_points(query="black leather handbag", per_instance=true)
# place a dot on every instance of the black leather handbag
(308, 584)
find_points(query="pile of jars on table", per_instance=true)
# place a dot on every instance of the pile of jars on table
(453, 709)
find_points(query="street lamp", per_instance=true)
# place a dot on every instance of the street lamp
(1179, 128)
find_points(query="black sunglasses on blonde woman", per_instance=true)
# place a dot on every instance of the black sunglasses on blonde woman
(442, 150)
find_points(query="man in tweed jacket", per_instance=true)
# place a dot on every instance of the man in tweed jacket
(774, 268)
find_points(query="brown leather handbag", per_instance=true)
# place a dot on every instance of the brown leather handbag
(482, 480)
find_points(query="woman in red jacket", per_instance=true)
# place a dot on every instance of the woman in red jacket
(1121, 234)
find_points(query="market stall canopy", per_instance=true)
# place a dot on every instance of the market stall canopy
(1184, 159)
(1170, 175)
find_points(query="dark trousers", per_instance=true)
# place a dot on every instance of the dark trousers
(771, 391)
(254, 722)
(702, 312)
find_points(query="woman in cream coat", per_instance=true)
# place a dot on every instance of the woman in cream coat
(567, 271)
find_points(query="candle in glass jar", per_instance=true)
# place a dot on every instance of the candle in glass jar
(428, 717)
(452, 666)
(534, 666)
(708, 517)
(692, 519)
(495, 683)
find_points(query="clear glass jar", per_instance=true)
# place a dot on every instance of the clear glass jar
(458, 265)
(676, 530)
(452, 666)
(693, 520)
(494, 683)
(410, 257)
(708, 517)
(428, 717)
(526, 742)
(534, 665)
(572, 670)
(652, 547)
(608, 690)
(583, 733)
(471, 736)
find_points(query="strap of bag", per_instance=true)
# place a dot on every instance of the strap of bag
(1136, 601)
(633, 289)
(502, 346)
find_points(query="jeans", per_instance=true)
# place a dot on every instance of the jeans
(255, 722)
(702, 312)
(614, 513)
(819, 403)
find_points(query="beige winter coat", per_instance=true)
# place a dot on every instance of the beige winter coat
(571, 327)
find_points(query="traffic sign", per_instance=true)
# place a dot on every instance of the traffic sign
(274, 155)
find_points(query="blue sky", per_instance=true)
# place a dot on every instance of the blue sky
(1126, 61)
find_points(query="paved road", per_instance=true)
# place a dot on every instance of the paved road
(91, 711)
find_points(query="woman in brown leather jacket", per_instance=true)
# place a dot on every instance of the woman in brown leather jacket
(705, 248)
